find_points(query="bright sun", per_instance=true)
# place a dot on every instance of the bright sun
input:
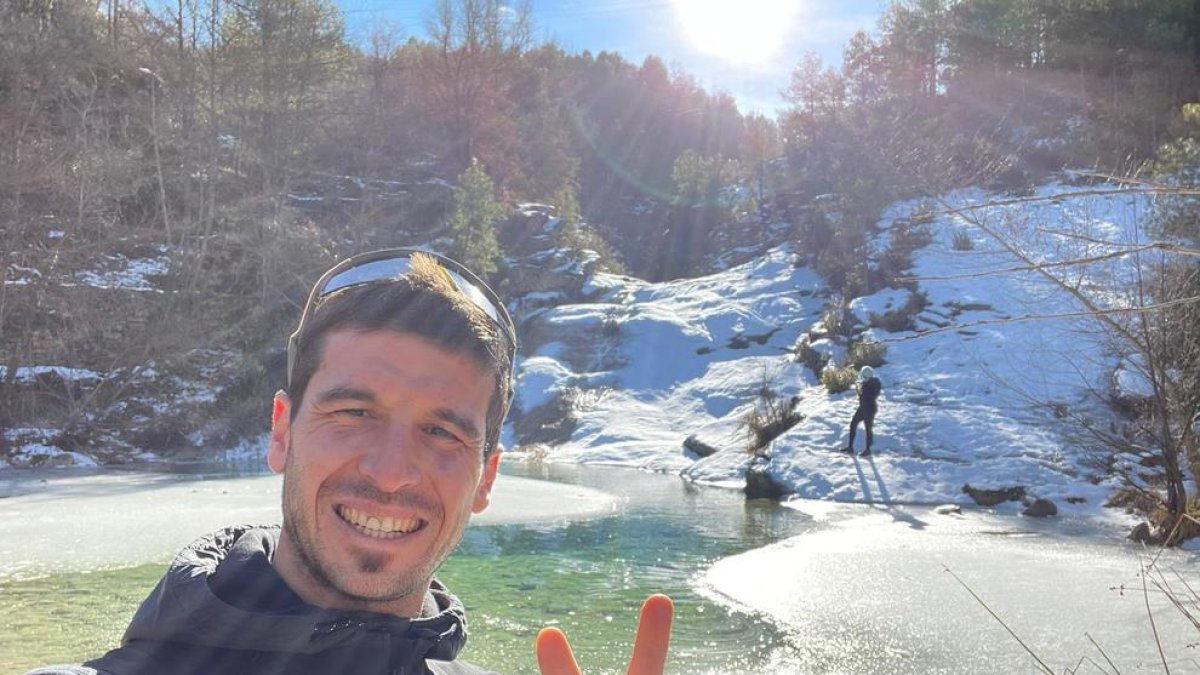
(741, 31)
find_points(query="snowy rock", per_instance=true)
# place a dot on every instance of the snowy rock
(760, 484)
(868, 309)
(698, 447)
(1143, 534)
(549, 424)
(948, 510)
(1041, 508)
(987, 497)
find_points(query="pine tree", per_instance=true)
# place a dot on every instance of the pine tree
(283, 54)
(473, 224)
(566, 207)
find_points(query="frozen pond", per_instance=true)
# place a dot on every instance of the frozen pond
(59, 521)
(874, 590)
(822, 588)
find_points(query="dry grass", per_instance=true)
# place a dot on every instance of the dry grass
(768, 417)
(838, 379)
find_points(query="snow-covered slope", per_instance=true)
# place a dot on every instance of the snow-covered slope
(988, 390)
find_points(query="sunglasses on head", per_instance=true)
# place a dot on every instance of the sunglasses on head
(396, 263)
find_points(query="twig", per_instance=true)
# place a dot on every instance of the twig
(1186, 585)
(1101, 650)
(1153, 627)
(1147, 189)
(1090, 313)
(1157, 245)
(1170, 595)
(1045, 669)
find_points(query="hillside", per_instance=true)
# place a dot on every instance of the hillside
(990, 385)
(991, 377)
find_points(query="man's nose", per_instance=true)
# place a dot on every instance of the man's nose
(394, 462)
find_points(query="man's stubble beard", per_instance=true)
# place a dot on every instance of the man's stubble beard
(311, 554)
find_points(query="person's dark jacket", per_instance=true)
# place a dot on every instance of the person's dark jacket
(868, 393)
(222, 608)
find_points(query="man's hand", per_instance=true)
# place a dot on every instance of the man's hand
(650, 645)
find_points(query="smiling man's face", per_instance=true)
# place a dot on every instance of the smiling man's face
(383, 467)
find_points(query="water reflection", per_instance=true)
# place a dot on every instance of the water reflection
(863, 591)
(589, 577)
(586, 568)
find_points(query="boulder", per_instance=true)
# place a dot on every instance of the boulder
(1041, 508)
(988, 497)
(1143, 534)
(760, 484)
(698, 447)
(551, 423)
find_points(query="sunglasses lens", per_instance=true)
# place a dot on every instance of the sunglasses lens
(396, 264)
(395, 268)
(375, 270)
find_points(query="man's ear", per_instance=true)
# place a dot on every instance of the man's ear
(281, 420)
(490, 468)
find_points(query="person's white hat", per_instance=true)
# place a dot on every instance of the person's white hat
(866, 373)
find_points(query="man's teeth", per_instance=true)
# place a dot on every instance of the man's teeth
(378, 527)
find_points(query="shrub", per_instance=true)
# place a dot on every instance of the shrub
(902, 319)
(770, 416)
(610, 325)
(916, 303)
(252, 381)
(867, 353)
(811, 358)
(957, 308)
(910, 235)
(837, 319)
(252, 384)
(893, 321)
(962, 241)
(924, 213)
(838, 379)
(1172, 530)
(896, 259)
(535, 453)
(843, 269)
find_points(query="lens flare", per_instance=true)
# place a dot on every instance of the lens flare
(746, 32)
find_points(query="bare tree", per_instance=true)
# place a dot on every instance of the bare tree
(467, 74)
(1151, 311)
(380, 61)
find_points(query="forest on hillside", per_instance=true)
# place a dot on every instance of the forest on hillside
(193, 120)
(251, 141)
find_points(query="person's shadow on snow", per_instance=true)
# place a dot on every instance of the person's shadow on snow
(885, 498)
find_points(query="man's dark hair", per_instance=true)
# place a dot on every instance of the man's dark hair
(424, 303)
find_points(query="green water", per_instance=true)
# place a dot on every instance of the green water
(588, 578)
(68, 617)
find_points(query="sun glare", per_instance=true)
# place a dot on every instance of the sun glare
(748, 31)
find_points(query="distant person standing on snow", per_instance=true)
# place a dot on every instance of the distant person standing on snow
(868, 391)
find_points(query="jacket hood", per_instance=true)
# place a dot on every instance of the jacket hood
(222, 592)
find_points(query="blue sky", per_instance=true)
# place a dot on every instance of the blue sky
(745, 47)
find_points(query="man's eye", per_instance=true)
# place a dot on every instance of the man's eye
(441, 432)
(352, 412)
